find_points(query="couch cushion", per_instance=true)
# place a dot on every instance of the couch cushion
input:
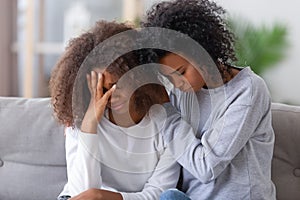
(32, 155)
(286, 159)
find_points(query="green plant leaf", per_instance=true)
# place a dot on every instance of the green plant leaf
(260, 47)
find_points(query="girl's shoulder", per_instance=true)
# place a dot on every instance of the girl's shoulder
(71, 131)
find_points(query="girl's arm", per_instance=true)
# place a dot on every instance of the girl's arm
(84, 183)
(165, 176)
(97, 103)
(83, 167)
(82, 146)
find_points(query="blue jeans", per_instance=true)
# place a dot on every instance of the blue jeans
(173, 194)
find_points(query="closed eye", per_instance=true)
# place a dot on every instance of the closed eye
(179, 71)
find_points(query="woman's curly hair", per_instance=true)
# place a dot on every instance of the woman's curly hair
(201, 20)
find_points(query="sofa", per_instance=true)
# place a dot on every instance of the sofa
(32, 157)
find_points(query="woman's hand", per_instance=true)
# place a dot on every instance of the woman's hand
(97, 103)
(98, 194)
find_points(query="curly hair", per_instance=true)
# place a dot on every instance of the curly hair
(201, 20)
(80, 57)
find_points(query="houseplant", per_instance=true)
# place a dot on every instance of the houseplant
(258, 46)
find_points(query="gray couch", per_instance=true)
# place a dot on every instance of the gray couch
(32, 158)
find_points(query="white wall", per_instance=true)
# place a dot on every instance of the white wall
(284, 79)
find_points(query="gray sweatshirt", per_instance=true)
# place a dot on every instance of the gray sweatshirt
(227, 152)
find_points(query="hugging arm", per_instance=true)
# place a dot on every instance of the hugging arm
(207, 157)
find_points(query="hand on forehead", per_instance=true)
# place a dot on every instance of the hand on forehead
(125, 81)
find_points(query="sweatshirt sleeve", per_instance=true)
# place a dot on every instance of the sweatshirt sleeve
(165, 176)
(83, 167)
(207, 157)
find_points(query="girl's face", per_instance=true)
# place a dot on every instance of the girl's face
(119, 102)
(181, 73)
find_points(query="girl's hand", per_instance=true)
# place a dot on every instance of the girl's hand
(97, 104)
(97, 194)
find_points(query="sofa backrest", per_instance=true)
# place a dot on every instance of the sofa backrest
(286, 158)
(32, 158)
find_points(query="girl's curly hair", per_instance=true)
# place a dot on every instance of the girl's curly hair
(63, 77)
(199, 19)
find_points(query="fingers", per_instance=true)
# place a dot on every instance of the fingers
(95, 84)
(109, 93)
(100, 86)
(88, 78)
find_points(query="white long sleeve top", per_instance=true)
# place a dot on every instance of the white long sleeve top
(132, 161)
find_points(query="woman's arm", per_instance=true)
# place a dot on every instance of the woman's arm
(207, 157)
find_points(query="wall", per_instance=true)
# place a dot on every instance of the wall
(283, 80)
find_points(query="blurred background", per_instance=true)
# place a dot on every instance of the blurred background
(35, 32)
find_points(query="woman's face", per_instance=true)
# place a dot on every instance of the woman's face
(181, 73)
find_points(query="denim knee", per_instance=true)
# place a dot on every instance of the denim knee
(173, 194)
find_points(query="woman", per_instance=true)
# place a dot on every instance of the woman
(113, 148)
(230, 155)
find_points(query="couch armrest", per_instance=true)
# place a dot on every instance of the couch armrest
(32, 151)
(286, 159)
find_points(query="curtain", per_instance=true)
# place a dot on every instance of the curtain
(8, 59)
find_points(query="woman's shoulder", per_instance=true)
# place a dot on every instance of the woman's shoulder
(249, 85)
(255, 82)
(247, 79)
